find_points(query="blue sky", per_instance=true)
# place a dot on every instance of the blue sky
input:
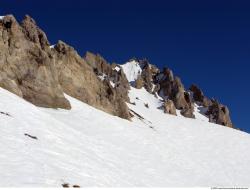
(203, 42)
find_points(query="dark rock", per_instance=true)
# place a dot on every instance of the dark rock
(199, 97)
(30, 136)
(197, 93)
(219, 114)
(146, 76)
(168, 74)
(65, 185)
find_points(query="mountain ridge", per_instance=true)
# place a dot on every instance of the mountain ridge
(40, 73)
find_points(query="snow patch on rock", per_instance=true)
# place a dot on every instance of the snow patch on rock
(131, 69)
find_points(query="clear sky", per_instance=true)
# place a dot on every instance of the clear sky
(203, 42)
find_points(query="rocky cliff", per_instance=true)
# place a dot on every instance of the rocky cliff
(41, 75)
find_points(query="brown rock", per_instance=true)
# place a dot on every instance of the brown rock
(147, 77)
(113, 73)
(199, 97)
(79, 80)
(139, 83)
(181, 98)
(219, 114)
(34, 33)
(26, 69)
(173, 89)
(169, 107)
(168, 74)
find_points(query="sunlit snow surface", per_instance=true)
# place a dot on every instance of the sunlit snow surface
(88, 147)
(131, 69)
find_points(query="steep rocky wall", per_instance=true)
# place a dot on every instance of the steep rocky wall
(40, 74)
(26, 64)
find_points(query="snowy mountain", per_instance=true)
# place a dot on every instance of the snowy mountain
(67, 119)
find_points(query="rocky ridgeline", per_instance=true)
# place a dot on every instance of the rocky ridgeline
(41, 74)
(171, 89)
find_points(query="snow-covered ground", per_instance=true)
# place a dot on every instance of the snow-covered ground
(88, 147)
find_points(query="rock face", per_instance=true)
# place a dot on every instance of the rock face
(199, 97)
(39, 74)
(77, 78)
(219, 114)
(26, 64)
(112, 73)
(139, 83)
(115, 83)
(169, 107)
(173, 89)
(148, 73)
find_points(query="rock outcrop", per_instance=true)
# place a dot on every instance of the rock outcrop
(169, 107)
(26, 64)
(111, 72)
(219, 114)
(41, 75)
(148, 73)
(78, 79)
(172, 88)
(199, 97)
(139, 83)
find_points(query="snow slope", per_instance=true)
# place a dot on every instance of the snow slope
(131, 69)
(88, 147)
